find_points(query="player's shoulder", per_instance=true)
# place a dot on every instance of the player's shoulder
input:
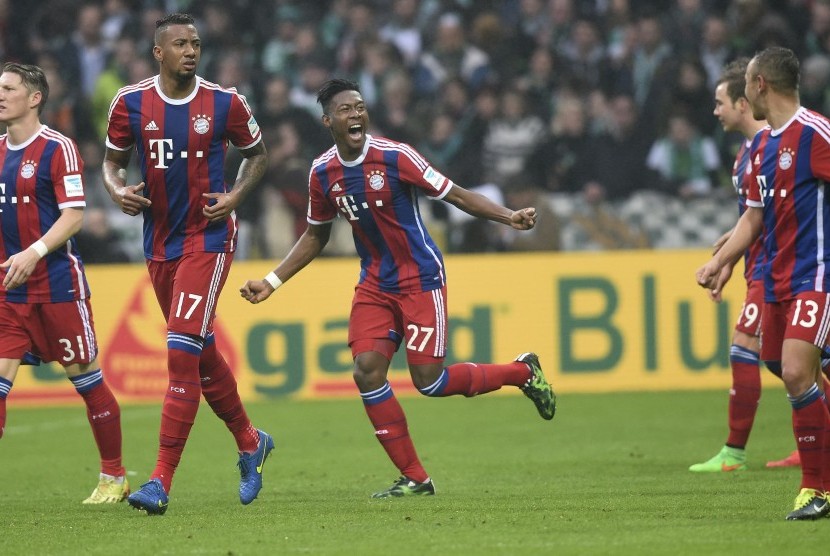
(53, 135)
(390, 145)
(219, 89)
(324, 158)
(142, 85)
(814, 120)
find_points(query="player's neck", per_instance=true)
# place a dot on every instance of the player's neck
(781, 112)
(752, 127)
(175, 88)
(23, 129)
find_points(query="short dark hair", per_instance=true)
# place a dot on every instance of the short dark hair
(780, 68)
(331, 88)
(172, 19)
(734, 75)
(33, 79)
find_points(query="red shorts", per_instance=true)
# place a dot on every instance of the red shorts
(380, 321)
(749, 321)
(806, 317)
(61, 332)
(188, 288)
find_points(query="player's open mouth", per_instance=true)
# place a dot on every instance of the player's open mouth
(356, 131)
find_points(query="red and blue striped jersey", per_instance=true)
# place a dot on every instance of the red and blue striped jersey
(378, 195)
(181, 146)
(790, 167)
(38, 179)
(742, 180)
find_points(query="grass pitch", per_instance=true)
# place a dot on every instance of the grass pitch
(607, 476)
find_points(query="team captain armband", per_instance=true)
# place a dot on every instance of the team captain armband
(273, 279)
(40, 248)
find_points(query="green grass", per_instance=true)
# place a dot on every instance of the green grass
(607, 476)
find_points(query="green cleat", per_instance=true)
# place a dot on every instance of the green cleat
(728, 459)
(537, 388)
(405, 486)
(809, 504)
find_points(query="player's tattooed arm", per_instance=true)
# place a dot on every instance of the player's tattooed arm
(220, 205)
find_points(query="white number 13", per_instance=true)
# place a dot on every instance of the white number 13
(810, 308)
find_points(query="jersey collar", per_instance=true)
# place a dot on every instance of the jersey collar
(359, 160)
(168, 100)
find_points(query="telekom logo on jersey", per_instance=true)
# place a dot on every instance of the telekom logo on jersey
(13, 200)
(161, 150)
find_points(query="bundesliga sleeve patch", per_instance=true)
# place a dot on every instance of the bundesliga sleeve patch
(73, 185)
(435, 179)
(253, 127)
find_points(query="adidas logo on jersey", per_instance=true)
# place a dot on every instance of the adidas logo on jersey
(337, 188)
(151, 126)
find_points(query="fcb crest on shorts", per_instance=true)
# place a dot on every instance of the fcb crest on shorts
(785, 159)
(376, 180)
(201, 124)
(27, 169)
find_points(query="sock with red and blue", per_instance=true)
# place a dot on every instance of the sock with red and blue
(181, 403)
(104, 417)
(744, 395)
(810, 418)
(5, 387)
(472, 379)
(391, 430)
(220, 390)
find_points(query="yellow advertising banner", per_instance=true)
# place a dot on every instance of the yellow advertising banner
(599, 321)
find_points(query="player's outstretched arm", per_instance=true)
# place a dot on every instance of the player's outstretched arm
(20, 266)
(310, 244)
(712, 275)
(128, 197)
(480, 206)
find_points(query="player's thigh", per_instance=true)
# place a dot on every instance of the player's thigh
(374, 323)
(808, 318)
(15, 337)
(189, 290)
(773, 326)
(425, 326)
(65, 333)
(749, 320)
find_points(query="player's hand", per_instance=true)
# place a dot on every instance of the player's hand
(716, 295)
(256, 290)
(19, 267)
(713, 276)
(221, 209)
(130, 200)
(523, 219)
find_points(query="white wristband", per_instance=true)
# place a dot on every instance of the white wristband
(40, 248)
(273, 279)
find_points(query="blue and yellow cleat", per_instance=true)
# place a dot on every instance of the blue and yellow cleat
(250, 468)
(150, 497)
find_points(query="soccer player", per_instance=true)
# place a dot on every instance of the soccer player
(45, 312)
(734, 113)
(401, 295)
(790, 164)
(180, 125)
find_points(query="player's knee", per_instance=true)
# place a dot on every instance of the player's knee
(774, 367)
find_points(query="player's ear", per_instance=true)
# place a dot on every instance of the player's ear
(157, 53)
(326, 119)
(35, 98)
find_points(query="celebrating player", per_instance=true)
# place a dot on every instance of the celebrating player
(401, 296)
(179, 124)
(44, 296)
(790, 164)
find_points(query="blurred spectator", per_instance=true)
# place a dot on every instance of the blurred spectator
(377, 61)
(684, 26)
(814, 38)
(689, 93)
(814, 91)
(403, 32)
(116, 17)
(511, 138)
(85, 55)
(651, 59)
(584, 55)
(545, 236)
(539, 81)
(277, 54)
(97, 241)
(113, 78)
(685, 161)
(620, 152)
(451, 55)
(563, 161)
(715, 50)
(313, 73)
(360, 26)
(395, 116)
(276, 107)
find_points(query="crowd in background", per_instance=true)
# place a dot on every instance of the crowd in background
(581, 104)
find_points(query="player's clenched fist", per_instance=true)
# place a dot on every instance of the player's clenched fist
(256, 290)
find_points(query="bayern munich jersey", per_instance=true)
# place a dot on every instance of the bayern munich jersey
(790, 167)
(181, 146)
(742, 180)
(38, 179)
(377, 194)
